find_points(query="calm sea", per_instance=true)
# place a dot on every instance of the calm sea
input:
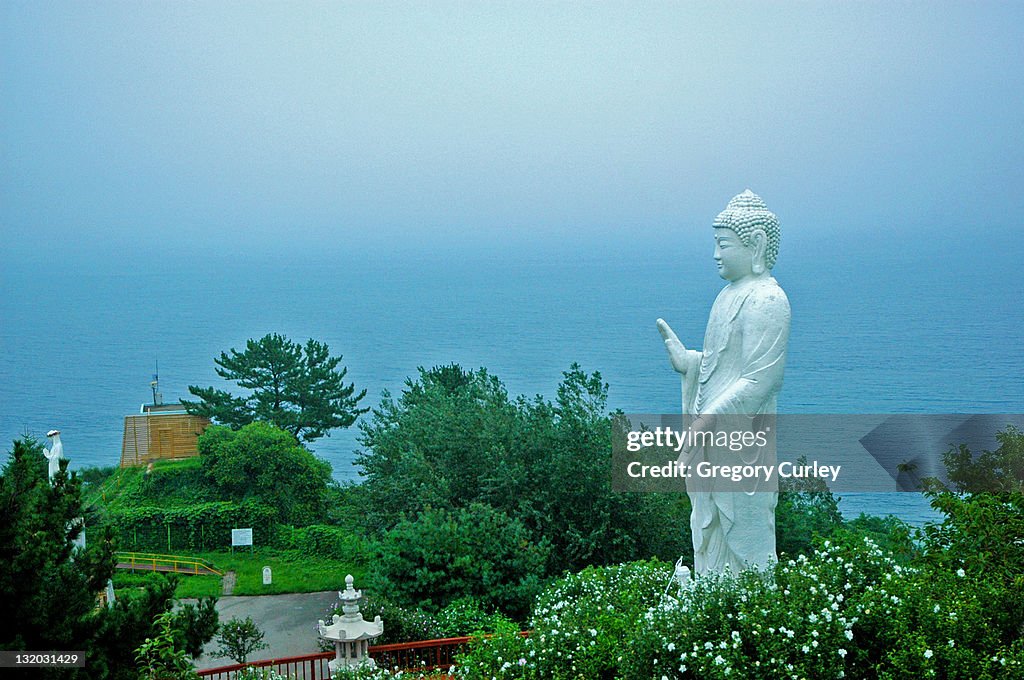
(877, 328)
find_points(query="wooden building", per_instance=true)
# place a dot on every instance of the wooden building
(160, 432)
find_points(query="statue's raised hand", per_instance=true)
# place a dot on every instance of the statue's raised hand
(676, 350)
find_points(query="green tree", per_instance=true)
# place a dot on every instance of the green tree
(49, 586)
(476, 551)
(454, 437)
(982, 531)
(238, 638)
(298, 388)
(263, 462)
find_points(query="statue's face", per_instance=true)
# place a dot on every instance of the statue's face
(734, 260)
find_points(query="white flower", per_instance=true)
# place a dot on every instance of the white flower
(671, 646)
(719, 660)
(928, 654)
(849, 634)
(805, 649)
(936, 609)
(961, 573)
(842, 653)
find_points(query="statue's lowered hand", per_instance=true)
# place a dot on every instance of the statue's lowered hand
(676, 350)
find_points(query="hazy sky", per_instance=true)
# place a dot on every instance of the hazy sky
(138, 126)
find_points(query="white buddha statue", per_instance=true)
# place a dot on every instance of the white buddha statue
(737, 374)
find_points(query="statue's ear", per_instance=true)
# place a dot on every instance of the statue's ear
(759, 248)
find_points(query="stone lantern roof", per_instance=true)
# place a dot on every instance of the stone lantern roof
(351, 626)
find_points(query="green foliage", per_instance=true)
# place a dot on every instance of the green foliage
(298, 388)
(47, 584)
(999, 471)
(401, 624)
(982, 531)
(847, 610)
(323, 540)
(263, 463)
(190, 528)
(197, 624)
(477, 551)
(95, 475)
(160, 657)
(806, 511)
(454, 438)
(238, 638)
(580, 627)
(470, 616)
(367, 673)
(890, 533)
(49, 587)
(171, 483)
(465, 616)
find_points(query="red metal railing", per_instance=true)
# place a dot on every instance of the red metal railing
(305, 667)
(422, 655)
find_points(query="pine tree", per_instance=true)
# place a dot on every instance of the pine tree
(49, 587)
(298, 388)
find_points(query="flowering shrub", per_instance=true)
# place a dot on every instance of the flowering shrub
(467, 616)
(252, 673)
(381, 674)
(579, 626)
(849, 610)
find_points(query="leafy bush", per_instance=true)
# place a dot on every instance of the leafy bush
(324, 540)
(580, 626)
(442, 556)
(848, 610)
(262, 463)
(238, 638)
(161, 657)
(401, 624)
(465, 616)
(468, 616)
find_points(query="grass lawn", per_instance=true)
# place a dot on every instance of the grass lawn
(293, 572)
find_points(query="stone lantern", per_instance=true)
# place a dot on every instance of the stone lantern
(350, 633)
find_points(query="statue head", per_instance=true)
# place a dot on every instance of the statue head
(757, 230)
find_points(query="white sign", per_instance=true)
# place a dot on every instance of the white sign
(266, 576)
(241, 537)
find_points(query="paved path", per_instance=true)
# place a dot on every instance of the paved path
(287, 621)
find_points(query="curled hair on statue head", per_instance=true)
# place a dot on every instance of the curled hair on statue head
(745, 214)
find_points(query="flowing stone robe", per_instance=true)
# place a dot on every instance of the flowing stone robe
(737, 377)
